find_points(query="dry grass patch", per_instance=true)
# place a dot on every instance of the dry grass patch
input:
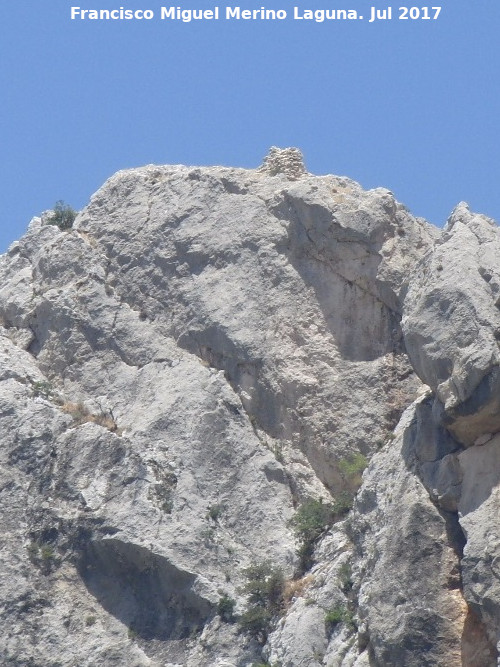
(82, 415)
(90, 240)
(295, 588)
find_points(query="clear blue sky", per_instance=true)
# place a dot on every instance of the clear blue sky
(413, 106)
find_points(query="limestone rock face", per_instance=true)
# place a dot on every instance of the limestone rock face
(452, 323)
(411, 608)
(203, 353)
(284, 286)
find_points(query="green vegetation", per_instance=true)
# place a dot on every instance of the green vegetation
(47, 552)
(43, 389)
(345, 578)
(335, 615)
(225, 608)
(90, 620)
(256, 621)
(44, 552)
(63, 216)
(214, 512)
(310, 521)
(338, 615)
(353, 465)
(208, 534)
(33, 551)
(277, 450)
(352, 468)
(343, 504)
(167, 506)
(313, 518)
(43, 555)
(264, 588)
(162, 492)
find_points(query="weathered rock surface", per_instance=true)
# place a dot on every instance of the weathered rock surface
(452, 324)
(291, 288)
(206, 349)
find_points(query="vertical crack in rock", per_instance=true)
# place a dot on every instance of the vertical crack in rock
(477, 648)
(438, 460)
(451, 334)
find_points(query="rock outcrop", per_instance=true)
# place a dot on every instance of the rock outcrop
(204, 353)
(452, 324)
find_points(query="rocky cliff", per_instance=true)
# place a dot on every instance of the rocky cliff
(250, 417)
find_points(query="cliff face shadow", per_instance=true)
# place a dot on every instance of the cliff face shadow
(143, 590)
(361, 323)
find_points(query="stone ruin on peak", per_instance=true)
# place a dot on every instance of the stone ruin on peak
(288, 161)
